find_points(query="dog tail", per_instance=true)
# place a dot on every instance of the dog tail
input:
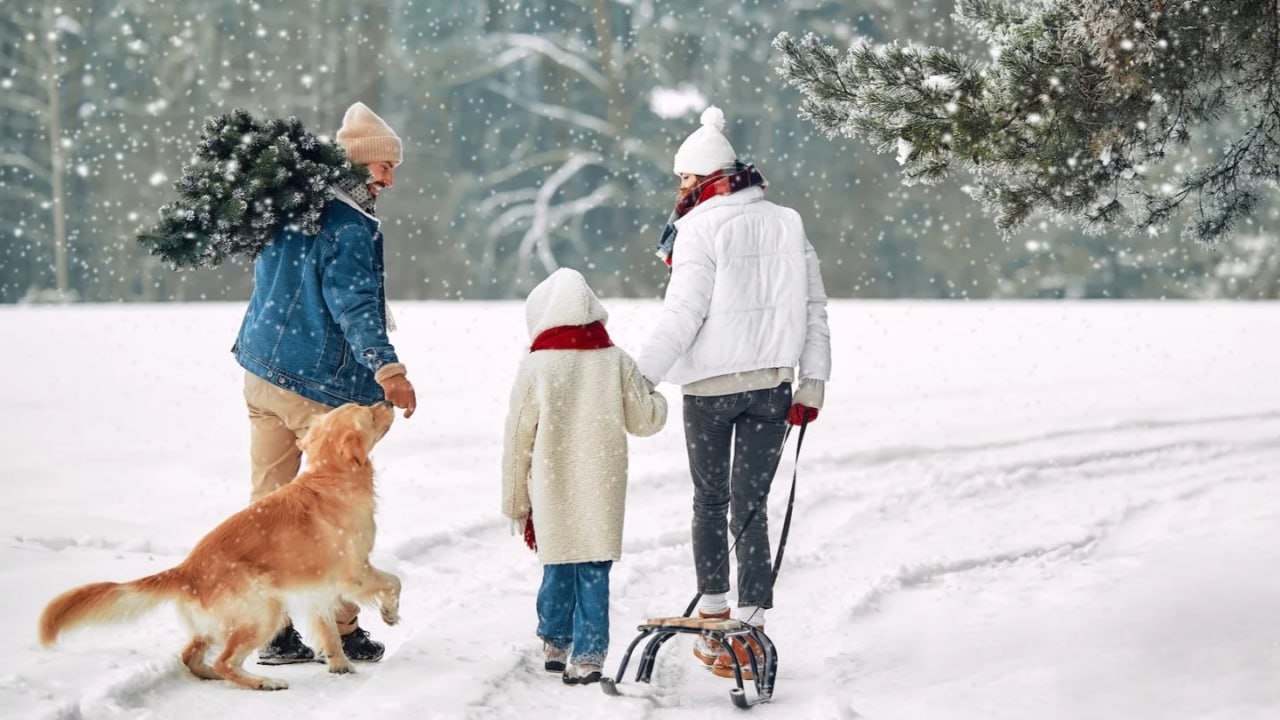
(107, 602)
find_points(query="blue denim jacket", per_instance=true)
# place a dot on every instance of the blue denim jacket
(316, 324)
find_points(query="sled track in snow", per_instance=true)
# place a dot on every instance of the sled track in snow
(908, 487)
(58, 543)
(120, 690)
(866, 459)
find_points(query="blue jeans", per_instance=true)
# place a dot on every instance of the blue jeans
(573, 609)
(734, 443)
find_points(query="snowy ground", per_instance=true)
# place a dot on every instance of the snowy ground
(1007, 511)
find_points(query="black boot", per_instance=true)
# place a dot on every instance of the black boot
(359, 648)
(285, 648)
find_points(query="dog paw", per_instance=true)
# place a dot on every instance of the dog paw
(341, 668)
(390, 617)
(273, 684)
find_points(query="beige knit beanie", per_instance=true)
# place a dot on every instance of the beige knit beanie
(367, 138)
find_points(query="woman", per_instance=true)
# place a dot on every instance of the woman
(745, 306)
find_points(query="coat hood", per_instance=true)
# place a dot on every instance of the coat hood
(564, 298)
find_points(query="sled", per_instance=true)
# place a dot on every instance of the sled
(659, 630)
(764, 671)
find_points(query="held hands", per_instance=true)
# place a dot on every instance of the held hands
(399, 392)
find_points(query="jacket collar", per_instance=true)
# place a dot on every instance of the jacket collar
(742, 197)
(340, 194)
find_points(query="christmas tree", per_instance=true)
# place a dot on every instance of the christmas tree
(1115, 113)
(249, 178)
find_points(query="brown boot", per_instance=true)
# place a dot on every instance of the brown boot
(704, 648)
(723, 666)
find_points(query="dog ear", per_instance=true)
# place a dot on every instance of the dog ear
(351, 447)
(304, 442)
(313, 438)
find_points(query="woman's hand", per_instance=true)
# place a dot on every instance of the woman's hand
(801, 414)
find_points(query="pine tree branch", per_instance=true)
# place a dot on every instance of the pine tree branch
(1082, 103)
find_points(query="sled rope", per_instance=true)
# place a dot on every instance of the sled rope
(763, 502)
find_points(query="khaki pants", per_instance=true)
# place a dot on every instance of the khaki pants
(278, 419)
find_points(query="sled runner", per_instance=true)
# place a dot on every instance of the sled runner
(658, 631)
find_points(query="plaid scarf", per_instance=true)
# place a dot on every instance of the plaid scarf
(360, 193)
(725, 181)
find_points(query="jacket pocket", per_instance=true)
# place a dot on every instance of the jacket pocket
(333, 355)
(343, 353)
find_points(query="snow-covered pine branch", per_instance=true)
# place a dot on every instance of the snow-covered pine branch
(1081, 113)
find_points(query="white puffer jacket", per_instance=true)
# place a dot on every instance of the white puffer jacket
(565, 452)
(745, 294)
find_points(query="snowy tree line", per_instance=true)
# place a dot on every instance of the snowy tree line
(537, 134)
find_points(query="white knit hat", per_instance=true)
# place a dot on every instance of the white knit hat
(367, 138)
(706, 150)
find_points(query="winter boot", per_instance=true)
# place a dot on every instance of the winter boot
(285, 648)
(723, 666)
(704, 648)
(583, 674)
(554, 657)
(359, 648)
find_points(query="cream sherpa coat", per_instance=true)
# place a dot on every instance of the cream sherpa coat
(565, 454)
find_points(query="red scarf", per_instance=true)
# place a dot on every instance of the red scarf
(573, 337)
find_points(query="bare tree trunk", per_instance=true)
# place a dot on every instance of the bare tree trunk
(56, 160)
(604, 41)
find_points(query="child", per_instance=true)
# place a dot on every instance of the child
(564, 464)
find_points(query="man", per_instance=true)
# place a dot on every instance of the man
(315, 337)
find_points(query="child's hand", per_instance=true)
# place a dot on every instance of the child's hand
(524, 526)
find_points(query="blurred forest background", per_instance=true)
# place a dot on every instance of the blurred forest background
(537, 134)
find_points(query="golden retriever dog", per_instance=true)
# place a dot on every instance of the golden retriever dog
(306, 544)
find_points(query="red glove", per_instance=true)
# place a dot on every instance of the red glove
(529, 538)
(801, 413)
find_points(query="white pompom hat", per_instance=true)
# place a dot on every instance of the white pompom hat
(706, 150)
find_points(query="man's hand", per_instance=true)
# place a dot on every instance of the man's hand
(399, 392)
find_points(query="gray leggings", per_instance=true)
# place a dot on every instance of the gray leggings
(734, 443)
